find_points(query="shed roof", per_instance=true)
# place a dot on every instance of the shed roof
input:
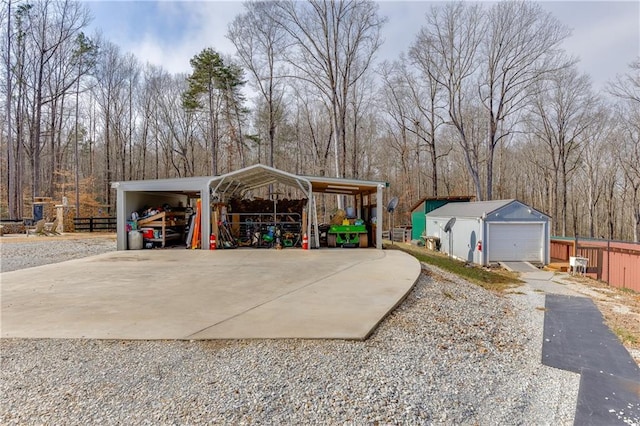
(473, 209)
(455, 198)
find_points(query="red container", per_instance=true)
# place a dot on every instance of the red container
(147, 233)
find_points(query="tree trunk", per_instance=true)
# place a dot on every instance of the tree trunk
(12, 169)
(636, 214)
(564, 200)
(76, 156)
(107, 143)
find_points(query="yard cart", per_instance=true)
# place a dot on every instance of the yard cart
(347, 236)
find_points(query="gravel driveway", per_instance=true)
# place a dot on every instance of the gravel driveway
(452, 353)
(19, 252)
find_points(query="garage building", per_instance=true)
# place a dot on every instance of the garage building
(179, 195)
(486, 232)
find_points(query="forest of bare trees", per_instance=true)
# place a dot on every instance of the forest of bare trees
(485, 102)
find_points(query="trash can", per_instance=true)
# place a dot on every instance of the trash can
(38, 211)
(135, 240)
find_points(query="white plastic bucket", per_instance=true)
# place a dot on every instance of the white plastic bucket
(135, 240)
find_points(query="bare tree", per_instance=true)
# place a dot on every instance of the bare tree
(110, 74)
(312, 128)
(562, 114)
(51, 28)
(332, 46)
(85, 59)
(177, 130)
(14, 204)
(414, 103)
(447, 48)
(627, 89)
(259, 43)
(521, 47)
(427, 94)
(20, 113)
(627, 86)
(361, 108)
(597, 161)
(398, 105)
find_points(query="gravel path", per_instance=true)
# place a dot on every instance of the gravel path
(452, 353)
(23, 253)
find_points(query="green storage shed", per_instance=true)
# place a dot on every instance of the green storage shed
(426, 205)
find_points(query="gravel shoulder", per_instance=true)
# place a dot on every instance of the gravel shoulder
(20, 252)
(451, 353)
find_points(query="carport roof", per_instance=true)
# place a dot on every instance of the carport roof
(257, 176)
(329, 185)
(239, 182)
(187, 184)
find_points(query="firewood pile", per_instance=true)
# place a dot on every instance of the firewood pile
(261, 206)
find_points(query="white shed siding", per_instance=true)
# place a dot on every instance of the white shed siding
(462, 241)
(509, 231)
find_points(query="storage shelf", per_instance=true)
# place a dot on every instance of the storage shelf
(171, 223)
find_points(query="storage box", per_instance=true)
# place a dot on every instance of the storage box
(147, 233)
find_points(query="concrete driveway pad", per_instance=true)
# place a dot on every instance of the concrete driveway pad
(199, 294)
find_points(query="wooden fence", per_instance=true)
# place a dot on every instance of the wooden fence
(614, 262)
(95, 224)
(399, 235)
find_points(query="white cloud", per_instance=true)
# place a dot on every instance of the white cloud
(169, 33)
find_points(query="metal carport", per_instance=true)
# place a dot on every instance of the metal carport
(134, 194)
(238, 184)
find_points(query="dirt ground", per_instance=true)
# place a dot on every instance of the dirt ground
(620, 308)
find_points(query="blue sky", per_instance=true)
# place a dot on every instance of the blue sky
(606, 34)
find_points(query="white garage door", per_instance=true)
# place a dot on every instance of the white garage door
(515, 242)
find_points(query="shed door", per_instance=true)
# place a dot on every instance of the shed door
(515, 242)
(418, 220)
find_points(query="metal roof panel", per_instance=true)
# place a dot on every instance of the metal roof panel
(469, 209)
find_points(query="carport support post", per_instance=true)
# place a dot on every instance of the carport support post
(205, 218)
(121, 218)
(379, 217)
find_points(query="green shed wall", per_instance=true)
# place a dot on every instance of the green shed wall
(418, 216)
(418, 222)
(431, 205)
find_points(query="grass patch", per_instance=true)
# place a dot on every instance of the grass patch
(490, 280)
(628, 291)
(625, 336)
